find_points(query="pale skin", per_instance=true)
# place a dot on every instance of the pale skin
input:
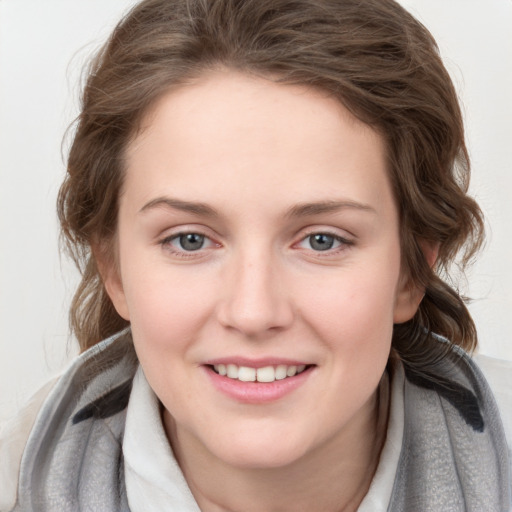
(296, 255)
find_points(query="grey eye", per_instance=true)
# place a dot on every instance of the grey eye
(191, 241)
(321, 241)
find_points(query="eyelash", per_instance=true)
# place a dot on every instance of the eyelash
(166, 243)
(344, 243)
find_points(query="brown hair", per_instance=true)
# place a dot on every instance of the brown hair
(380, 62)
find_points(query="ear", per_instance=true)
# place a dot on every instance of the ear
(108, 267)
(410, 295)
(430, 251)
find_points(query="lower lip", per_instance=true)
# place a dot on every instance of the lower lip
(257, 392)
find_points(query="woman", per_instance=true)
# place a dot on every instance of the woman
(262, 196)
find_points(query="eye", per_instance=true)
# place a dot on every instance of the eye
(190, 241)
(187, 242)
(321, 242)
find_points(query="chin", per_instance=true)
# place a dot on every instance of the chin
(257, 451)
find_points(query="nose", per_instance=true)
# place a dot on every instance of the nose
(256, 300)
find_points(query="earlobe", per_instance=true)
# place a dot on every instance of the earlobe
(430, 250)
(410, 295)
(407, 302)
(114, 289)
(110, 275)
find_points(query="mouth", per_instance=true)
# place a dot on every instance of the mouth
(258, 381)
(265, 374)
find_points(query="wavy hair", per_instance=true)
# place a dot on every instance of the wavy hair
(373, 56)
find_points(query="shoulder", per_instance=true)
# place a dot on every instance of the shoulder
(76, 395)
(13, 439)
(498, 374)
(452, 425)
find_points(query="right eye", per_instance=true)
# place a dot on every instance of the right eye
(189, 241)
(183, 243)
(323, 241)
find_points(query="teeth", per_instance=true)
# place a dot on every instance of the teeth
(281, 372)
(232, 371)
(291, 371)
(265, 374)
(246, 374)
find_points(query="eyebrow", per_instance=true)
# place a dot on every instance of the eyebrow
(317, 208)
(201, 209)
(298, 210)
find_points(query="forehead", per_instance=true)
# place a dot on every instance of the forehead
(230, 133)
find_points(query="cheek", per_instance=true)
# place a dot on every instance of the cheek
(171, 310)
(166, 305)
(353, 308)
(167, 313)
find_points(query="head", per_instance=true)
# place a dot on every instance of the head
(372, 57)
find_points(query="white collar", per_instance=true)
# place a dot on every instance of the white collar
(154, 481)
(379, 495)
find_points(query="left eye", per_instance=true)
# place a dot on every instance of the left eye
(188, 242)
(321, 242)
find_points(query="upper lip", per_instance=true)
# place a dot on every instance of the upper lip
(255, 363)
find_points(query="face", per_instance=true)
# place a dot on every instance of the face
(258, 236)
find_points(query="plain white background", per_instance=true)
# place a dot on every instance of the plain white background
(44, 46)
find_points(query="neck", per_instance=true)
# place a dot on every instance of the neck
(335, 477)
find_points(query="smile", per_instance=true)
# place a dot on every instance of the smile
(259, 383)
(264, 374)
